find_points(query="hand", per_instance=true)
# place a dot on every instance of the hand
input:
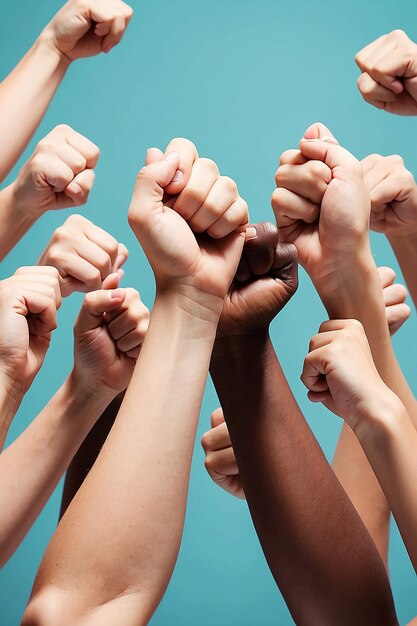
(84, 28)
(29, 301)
(339, 371)
(180, 260)
(393, 195)
(389, 73)
(220, 460)
(84, 255)
(322, 206)
(265, 281)
(395, 296)
(108, 335)
(59, 173)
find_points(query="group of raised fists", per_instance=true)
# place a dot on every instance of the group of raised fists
(123, 424)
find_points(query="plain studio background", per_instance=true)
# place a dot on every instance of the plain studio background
(242, 79)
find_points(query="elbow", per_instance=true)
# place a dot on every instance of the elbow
(49, 607)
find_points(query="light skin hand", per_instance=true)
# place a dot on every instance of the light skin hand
(395, 295)
(84, 28)
(84, 254)
(58, 175)
(29, 301)
(108, 335)
(310, 183)
(339, 371)
(393, 194)
(389, 73)
(180, 261)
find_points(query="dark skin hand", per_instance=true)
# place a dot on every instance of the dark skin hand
(88, 452)
(318, 550)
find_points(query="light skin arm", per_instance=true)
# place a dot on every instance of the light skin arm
(339, 371)
(39, 457)
(77, 30)
(334, 248)
(122, 565)
(305, 522)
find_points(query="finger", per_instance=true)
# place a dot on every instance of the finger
(374, 93)
(148, 192)
(80, 187)
(115, 33)
(113, 280)
(260, 250)
(387, 69)
(153, 155)
(43, 307)
(96, 256)
(130, 341)
(243, 272)
(330, 325)
(285, 265)
(221, 462)
(292, 157)
(314, 369)
(72, 157)
(122, 256)
(78, 274)
(85, 147)
(136, 316)
(394, 294)
(309, 180)
(384, 193)
(218, 200)
(106, 242)
(397, 315)
(187, 155)
(217, 438)
(217, 417)
(95, 304)
(387, 276)
(331, 154)
(320, 131)
(236, 217)
(363, 55)
(55, 172)
(203, 176)
(47, 283)
(290, 207)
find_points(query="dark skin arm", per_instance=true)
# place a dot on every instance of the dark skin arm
(317, 547)
(88, 452)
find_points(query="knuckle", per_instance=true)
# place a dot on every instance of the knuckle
(229, 184)
(209, 165)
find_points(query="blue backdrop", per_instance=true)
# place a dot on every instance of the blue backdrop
(242, 79)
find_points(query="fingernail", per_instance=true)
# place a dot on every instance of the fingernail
(171, 156)
(116, 293)
(178, 178)
(121, 273)
(305, 139)
(251, 233)
(328, 139)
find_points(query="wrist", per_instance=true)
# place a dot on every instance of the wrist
(88, 393)
(198, 308)
(11, 396)
(379, 419)
(227, 346)
(46, 45)
(21, 210)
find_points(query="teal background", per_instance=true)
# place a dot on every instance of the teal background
(242, 79)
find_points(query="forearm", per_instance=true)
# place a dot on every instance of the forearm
(10, 400)
(389, 440)
(88, 452)
(24, 97)
(31, 467)
(319, 552)
(361, 485)
(14, 222)
(121, 558)
(405, 249)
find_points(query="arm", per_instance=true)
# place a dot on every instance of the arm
(77, 30)
(339, 371)
(88, 452)
(332, 237)
(120, 559)
(317, 548)
(108, 335)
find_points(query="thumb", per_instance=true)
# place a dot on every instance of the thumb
(217, 417)
(149, 188)
(95, 304)
(153, 155)
(112, 281)
(322, 146)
